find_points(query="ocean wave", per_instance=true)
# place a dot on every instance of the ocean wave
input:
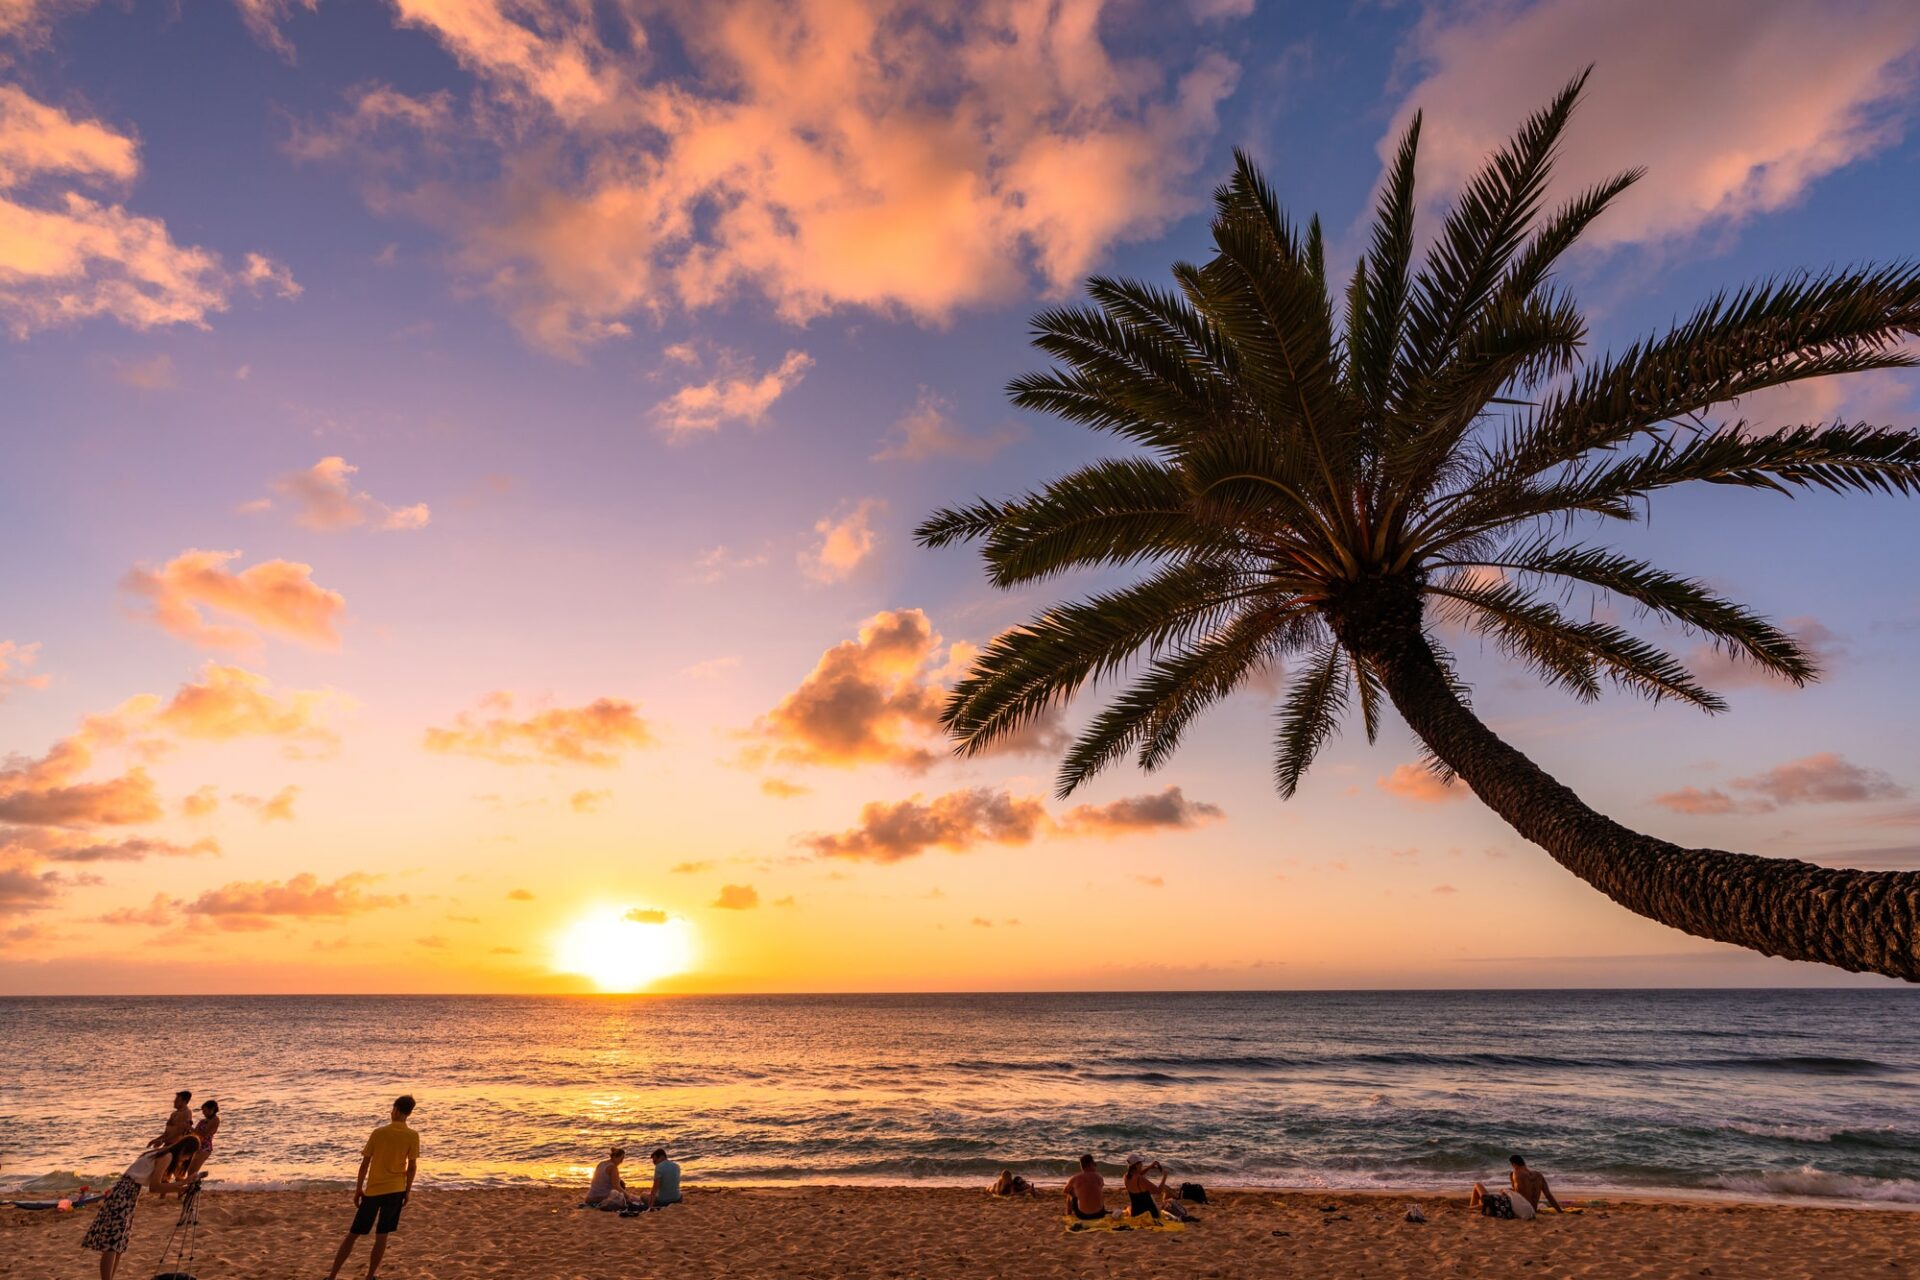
(1820, 1184)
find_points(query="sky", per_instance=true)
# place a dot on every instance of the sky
(461, 459)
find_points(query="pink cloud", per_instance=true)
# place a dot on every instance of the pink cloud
(740, 395)
(1169, 808)
(1693, 800)
(252, 905)
(929, 431)
(1825, 778)
(323, 499)
(279, 597)
(955, 821)
(1735, 108)
(847, 538)
(15, 663)
(1419, 785)
(903, 156)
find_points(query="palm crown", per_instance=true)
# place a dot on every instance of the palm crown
(1304, 483)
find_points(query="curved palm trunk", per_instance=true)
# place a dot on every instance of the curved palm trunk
(1858, 920)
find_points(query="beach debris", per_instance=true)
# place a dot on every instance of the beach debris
(1414, 1214)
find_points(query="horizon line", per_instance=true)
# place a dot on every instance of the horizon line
(762, 995)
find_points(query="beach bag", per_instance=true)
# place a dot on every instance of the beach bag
(1193, 1193)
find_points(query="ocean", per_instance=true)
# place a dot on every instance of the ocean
(1761, 1093)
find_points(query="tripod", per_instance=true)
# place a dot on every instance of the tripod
(176, 1258)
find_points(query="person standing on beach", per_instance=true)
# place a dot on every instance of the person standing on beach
(179, 1124)
(388, 1164)
(1087, 1192)
(1522, 1202)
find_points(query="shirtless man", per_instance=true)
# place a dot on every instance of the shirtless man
(1522, 1202)
(179, 1124)
(1086, 1192)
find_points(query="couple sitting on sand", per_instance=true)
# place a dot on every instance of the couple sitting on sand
(609, 1191)
(1086, 1191)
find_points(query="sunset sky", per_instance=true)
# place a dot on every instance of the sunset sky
(460, 460)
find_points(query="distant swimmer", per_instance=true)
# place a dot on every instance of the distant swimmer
(388, 1165)
(608, 1190)
(1522, 1201)
(1087, 1192)
(1142, 1192)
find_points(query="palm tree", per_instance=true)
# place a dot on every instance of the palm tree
(1315, 492)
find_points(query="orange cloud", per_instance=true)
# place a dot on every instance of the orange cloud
(929, 431)
(737, 897)
(123, 801)
(1693, 800)
(647, 915)
(199, 803)
(14, 661)
(323, 499)
(589, 801)
(1725, 138)
(899, 155)
(1420, 785)
(867, 701)
(275, 596)
(266, 18)
(739, 396)
(231, 702)
(955, 821)
(519, 895)
(137, 849)
(847, 538)
(66, 257)
(1168, 808)
(24, 887)
(277, 807)
(781, 789)
(595, 734)
(155, 914)
(250, 905)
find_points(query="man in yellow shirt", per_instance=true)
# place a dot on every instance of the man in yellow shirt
(388, 1164)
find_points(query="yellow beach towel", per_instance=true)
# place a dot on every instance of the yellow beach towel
(1124, 1224)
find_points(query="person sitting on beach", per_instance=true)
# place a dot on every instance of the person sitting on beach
(1522, 1201)
(111, 1230)
(388, 1165)
(608, 1190)
(1010, 1183)
(179, 1123)
(666, 1181)
(1087, 1192)
(1141, 1190)
(207, 1126)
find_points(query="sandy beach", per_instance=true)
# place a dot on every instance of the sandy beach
(815, 1233)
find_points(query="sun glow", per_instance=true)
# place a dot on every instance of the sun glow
(625, 951)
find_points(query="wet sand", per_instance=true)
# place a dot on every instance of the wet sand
(824, 1233)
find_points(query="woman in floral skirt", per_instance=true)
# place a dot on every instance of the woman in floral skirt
(112, 1228)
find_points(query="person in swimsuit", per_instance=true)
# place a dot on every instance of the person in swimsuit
(1086, 1192)
(1522, 1201)
(1141, 1190)
(112, 1228)
(179, 1124)
(209, 1124)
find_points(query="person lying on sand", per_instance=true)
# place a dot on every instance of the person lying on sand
(1522, 1201)
(1010, 1183)
(608, 1190)
(1141, 1189)
(1086, 1192)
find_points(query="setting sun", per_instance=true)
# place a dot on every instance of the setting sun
(625, 951)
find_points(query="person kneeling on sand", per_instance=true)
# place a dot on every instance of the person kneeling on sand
(607, 1190)
(1141, 1190)
(1086, 1192)
(1522, 1201)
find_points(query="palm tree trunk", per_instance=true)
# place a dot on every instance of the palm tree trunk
(1863, 921)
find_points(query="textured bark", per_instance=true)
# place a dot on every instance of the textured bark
(1858, 920)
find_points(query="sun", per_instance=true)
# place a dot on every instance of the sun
(625, 951)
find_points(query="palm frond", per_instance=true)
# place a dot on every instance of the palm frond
(1309, 716)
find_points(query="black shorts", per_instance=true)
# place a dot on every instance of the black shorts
(386, 1208)
(1087, 1217)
